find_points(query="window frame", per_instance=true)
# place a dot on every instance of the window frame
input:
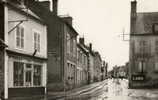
(32, 74)
(20, 38)
(154, 28)
(37, 43)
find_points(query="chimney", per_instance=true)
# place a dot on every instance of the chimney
(45, 4)
(68, 20)
(133, 16)
(55, 6)
(103, 63)
(81, 41)
(90, 46)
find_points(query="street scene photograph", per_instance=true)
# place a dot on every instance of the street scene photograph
(78, 50)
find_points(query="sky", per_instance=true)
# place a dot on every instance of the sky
(102, 22)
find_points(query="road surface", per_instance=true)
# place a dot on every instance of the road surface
(112, 89)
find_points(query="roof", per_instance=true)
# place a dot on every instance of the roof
(82, 47)
(145, 21)
(97, 55)
(25, 11)
(37, 8)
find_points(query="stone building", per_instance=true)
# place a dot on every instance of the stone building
(62, 46)
(97, 66)
(82, 63)
(23, 63)
(104, 70)
(90, 64)
(143, 48)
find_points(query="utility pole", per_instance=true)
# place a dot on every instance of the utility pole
(123, 35)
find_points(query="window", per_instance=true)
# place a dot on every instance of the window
(37, 41)
(141, 66)
(68, 43)
(156, 47)
(155, 28)
(143, 47)
(156, 66)
(74, 47)
(37, 75)
(26, 74)
(20, 37)
(71, 45)
(18, 74)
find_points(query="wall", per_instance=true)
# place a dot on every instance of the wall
(70, 52)
(91, 68)
(82, 66)
(1, 49)
(28, 50)
(29, 27)
(151, 58)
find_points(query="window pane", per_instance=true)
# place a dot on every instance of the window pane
(18, 74)
(37, 41)
(22, 32)
(20, 37)
(37, 75)
(18, 31)
(18, 42)
(22, 43)
(140, 67)
(28, 75)
(28, 78)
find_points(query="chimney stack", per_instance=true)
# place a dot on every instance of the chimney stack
(55, 6)
(45, 4)
(68, 19)
(81, 41)
(90, 46)
(133, 16)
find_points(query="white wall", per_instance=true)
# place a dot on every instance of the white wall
(29, 27)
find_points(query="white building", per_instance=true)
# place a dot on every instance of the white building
(25, 67)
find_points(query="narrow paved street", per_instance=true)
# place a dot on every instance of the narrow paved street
(112, 89)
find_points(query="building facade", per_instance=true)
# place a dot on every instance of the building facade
(71, 53)
(90, 64)
(24, 60)
(82, 63)
(143, 48)
(62, 46)
(97, 67)
(104, 70)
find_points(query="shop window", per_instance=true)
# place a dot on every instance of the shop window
(18, 74)
(28, 75)
(37, 75)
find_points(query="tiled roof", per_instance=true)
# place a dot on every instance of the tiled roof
(46, 14)
(145, 21)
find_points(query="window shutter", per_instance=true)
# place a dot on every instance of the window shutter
(22, 37)
(38, 42)
(18, 36)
